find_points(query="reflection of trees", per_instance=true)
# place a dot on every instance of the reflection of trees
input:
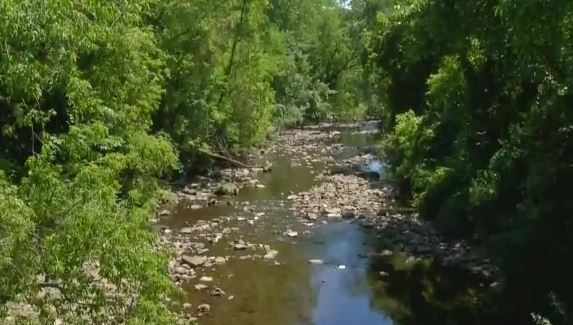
(427, 294)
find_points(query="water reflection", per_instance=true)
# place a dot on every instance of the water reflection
(343, 294)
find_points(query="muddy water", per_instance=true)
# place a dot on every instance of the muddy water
(346, 289)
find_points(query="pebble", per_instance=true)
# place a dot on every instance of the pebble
(316, 261)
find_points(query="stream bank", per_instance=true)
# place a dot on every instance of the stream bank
(316, 239)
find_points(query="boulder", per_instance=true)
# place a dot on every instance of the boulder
(193, 261)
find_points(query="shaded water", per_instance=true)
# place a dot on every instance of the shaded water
(346, 289)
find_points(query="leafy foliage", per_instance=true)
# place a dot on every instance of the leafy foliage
(477, 94)
(102, 100)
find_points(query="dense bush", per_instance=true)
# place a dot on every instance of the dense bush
(98, 99)
(478, 95)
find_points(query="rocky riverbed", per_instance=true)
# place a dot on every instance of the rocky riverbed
(313, 234)
(209, 227)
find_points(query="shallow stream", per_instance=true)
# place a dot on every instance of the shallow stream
(347, 288)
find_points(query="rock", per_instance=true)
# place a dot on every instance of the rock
(193, 261)
(200, 287)
(219, 260)
(231, 297)
(196, 207)
(342, 267)
(386, 253)
(206, 279)
(260, 186)
(292, 197)
(189, 191)
(316, 261)
(180, 270)
(383, 274)
(334, 215)
(271, 254)
(186, 230)
(227, 189)
(187, 305)
(204, 308)
(167, 231)
(240, 247)
(291, 234)
(348, 215)
(311, 216)
(217, 292)
(164, 213)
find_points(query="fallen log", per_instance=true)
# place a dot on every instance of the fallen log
(231, 160)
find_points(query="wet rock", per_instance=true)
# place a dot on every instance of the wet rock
(187, 305)
(164, 213)
(316, 261)
(342, 267)
(193, 261)
(240, 247)
(231, 297)
(206, 279)
(271, 254)
(217, 292)
(348, 215)
(200, 287)
(204, 308)
(219, 260)
(291, 234)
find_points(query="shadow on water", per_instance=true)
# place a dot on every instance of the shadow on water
(346, 289)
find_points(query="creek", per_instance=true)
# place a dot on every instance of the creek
(347, 282)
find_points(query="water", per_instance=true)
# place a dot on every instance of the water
(297, 292)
